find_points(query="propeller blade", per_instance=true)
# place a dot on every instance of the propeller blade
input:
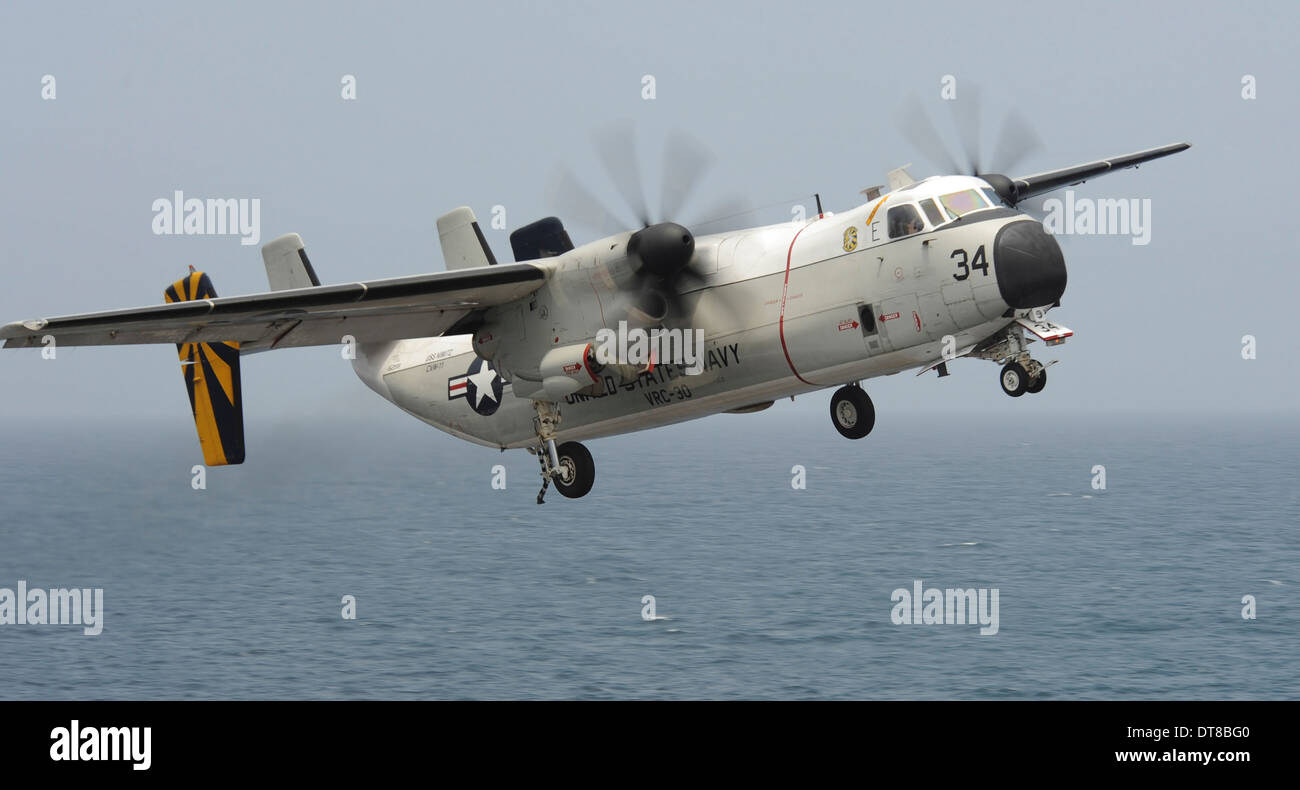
(920, 132)
(686, 160)
(1016, 141)
(571, 200)
(966, 116)
(616, 145)
(662, 253)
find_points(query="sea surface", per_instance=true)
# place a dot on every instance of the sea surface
(761, 590)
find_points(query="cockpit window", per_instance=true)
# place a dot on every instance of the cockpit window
(964, 202)
(932, 211)
(904, 221)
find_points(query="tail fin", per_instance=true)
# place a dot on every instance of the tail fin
(212, 378)
(462, 240)
(287, 265)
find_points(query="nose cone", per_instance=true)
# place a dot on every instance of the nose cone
(1029, 265)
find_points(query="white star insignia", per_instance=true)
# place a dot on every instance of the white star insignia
(483, 384)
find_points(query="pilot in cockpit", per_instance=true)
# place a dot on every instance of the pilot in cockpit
(905, 225)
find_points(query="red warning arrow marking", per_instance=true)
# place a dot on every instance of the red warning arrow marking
(889, 317)
(844, 325)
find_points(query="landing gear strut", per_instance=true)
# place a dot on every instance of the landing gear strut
(852, 412)
(1036, 382)
(568, 464)
(1020, 372)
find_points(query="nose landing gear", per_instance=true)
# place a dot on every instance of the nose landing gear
(1020, 372)
(1014, 379)
(1036, 383)
(1018, 377)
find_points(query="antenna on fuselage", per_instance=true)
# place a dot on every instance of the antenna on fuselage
(818, 196)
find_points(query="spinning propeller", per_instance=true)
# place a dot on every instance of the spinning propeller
(662, 249)
(1015, 141)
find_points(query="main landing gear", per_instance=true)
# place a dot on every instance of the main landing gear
(852, 412)
(569, 464)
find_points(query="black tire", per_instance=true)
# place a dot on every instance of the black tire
(1036, 386)
(1014, 379)
(577, 471)
(852, 412)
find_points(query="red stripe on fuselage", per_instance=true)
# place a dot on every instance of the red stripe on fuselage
(781, 323)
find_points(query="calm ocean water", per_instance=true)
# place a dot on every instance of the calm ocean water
(766, 592)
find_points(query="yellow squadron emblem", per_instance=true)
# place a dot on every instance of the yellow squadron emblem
(851, 239)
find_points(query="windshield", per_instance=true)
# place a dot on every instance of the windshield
(932, 212)
(964, 202)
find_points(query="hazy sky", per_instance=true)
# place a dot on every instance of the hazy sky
(476, 103)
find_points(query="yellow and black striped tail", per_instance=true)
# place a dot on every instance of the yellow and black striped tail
(212, 378)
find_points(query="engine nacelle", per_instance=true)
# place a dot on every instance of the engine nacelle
(574, 368)
(567, 369)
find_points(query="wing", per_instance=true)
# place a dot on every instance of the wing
(420, 306)
(1037, 184)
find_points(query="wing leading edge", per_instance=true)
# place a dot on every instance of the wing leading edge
(1038, 183)
(418, 306)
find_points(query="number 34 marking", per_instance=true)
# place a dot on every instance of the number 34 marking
(978, 262)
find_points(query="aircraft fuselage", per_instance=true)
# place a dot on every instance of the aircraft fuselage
(784, 310)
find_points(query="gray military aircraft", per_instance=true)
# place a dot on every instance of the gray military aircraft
(643, 328)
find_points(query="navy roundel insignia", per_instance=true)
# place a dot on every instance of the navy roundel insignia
(481, 386)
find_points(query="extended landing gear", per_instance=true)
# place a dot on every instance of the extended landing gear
(852, 412)
(569, 464)
(1020, 372)
(576, 472)
(1017, 378)
(1014, 379)
(1036, 384)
